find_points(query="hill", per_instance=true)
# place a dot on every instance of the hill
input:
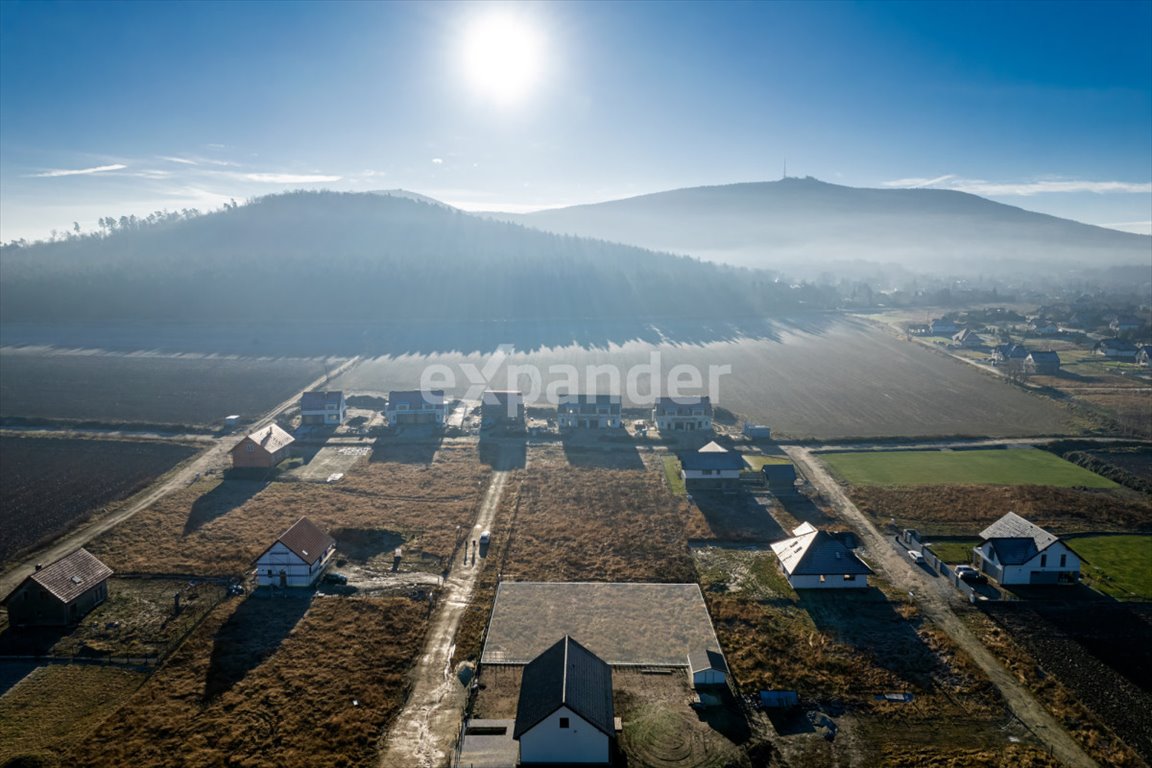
(794, 222)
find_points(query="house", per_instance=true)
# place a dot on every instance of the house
(967, 338)
(1043, 327)
(713, 466)
(502, 408)
(781, 477)
(416, 406)
(1116, 349)
(1014, 551)
(1125, 323)
(942, 327)
(1144, 355)
(1043, 362)
(1010, 353)
(815, 559)
(564, 714)
(681, 414)
(297, 558)
(588, 412)
(264, 448)
(323, 407)
(707, 667)
(60, 594)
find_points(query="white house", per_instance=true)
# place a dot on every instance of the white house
(416, 406)
(323, 407)
(564, 714)
(713, 466)
(681, 414)
(815, 559)
(297, 558)
(707, 667)
(588, 412)
(1014, 551)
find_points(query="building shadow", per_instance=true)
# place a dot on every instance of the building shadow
(503, 453)
(738, 516)
(252, 634)
(601, 450)
(790, 721)
(410, 444)
(806, 511)
(360, 545)
(727, 716)
(232, 492)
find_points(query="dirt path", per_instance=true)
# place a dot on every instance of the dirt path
(903, 574)
(213, 457)
(423, 734)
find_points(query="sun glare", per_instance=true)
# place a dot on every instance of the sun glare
(503, 57)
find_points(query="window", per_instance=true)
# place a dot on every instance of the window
(1043, 561)
(1063, 560)
(821, 578)
(563, 722)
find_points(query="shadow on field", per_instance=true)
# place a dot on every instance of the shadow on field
(867, 621)
(503, 453)
(727, 718)
(582, 448)
(251, 634)
(738, 516)
(232, 492)
(361, 544)
(805, 510)
(410, 444)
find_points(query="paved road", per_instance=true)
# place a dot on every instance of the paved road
(423, 734)
(903, 574)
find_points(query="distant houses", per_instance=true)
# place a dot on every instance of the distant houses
(1014, 551)
(60, 594)
(1115, 349)
(1144, 355)
(942, 326)
(1043, 362)
(297, 558)
(967, 339)
(502, 409)
(1125, 323)
(263, 449)
(683, 414)
(588, 412)
(1010, 353)
(815, 559)
(416, 406)
(320, 407)
(710, 468)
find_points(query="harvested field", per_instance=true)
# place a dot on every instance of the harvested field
(89, 385)
(48, 485)
(219, 527)
(271, 682)
(654, 624)
(1014, 466)
(1136, 461)
(56, 707)
(967, 509)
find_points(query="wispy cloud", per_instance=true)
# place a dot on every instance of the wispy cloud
(285, 178)
(180, 160)
(437, 161)
(1021, 188)
(77, 171)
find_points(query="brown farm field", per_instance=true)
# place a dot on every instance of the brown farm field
(49, 484)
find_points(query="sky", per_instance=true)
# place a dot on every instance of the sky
(117, 108)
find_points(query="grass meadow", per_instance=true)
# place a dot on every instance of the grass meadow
(1017, 466)
(1120, 566)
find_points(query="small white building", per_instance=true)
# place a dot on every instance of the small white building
(588, 412)
(815, 559)
(1015, 551)
(297, 558)
(416, 406)
(683, 414)
(707, 667)
(564, 714)
(323, 407)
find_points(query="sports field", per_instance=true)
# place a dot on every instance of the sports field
(1014, 466)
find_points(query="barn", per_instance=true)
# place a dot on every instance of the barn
(564, 714)
(263, 449)
(707, 667)
(815, 559)
(60, 594)
(297, 558)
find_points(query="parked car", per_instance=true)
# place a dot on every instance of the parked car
(335, 578)
(916, 556)
(968, 573)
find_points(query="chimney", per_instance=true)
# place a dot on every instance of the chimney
(39, 566)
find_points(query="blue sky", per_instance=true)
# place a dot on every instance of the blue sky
(117, 108)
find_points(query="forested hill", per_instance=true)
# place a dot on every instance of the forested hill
(363, 257)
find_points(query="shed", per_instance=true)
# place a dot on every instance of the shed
(60, 594)
(297, 557)
(263, 449)
(707, 667)
(781, 478)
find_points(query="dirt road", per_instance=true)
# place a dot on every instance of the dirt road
(213, 457)
(423, 734)
(903, 574)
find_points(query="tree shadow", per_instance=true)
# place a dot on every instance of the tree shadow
(738, 516)
(415, 444)
(600, 449)
(232, 492)
(251, 634)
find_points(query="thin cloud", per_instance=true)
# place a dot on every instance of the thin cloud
(77, 171)
(285, 178)
(1021, 188)
(437, 161)
(180, 160)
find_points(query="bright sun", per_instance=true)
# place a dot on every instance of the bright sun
(503, 57)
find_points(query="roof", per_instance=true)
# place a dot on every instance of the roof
(813, 552)
(317, 399)
(705, 658)
(306, 541)
(589, 400)
(502, 396)
(711, 456)
(1016, 540)
(1044, 356)
(1118, 344)
(271, 438)
(71, 576)
(565, 675)
(676, 406)
(964, 335)
(416, 399)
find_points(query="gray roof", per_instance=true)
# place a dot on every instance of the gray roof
(812, 552)
(705, 658)
(1016, 540)
(71, 576)
(683, 406)
(711, 456)
(317, 399)
(566, 675)
(586, 399)
(1044, 356)
(416, 399)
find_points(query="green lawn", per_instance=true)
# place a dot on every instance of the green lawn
(757, 461)
(1120, 566)
(954, 552)
(1013, 466)
(672, 472)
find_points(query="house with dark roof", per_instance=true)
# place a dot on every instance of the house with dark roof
(502, 409)
(967, 338)
(588, 412)
(263, 449)
(1125, 323)
(1144, 355)
(323, 407)
(1043, 362)
(297, 558)
(60, 594)
(683, 414)
(707, 666)
(416, 406)
(942, 326)
(1015, 551)
(780, 477)
(711, 467)
(564, 714)
(815, 559)
(1116, 349)
(1008, 353)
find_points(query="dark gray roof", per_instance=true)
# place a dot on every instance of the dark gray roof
(814, 552)
(316, 400)
(705, 658)
(711, 456)
(566, 675)
(1016, 540)
(1044, 356)
(71, 576)
(416, 399)
(589, 399)
(683, 406)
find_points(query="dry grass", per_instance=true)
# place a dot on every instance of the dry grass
(259, 684)
(56, 707)
(899, 755)
(219, 528)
